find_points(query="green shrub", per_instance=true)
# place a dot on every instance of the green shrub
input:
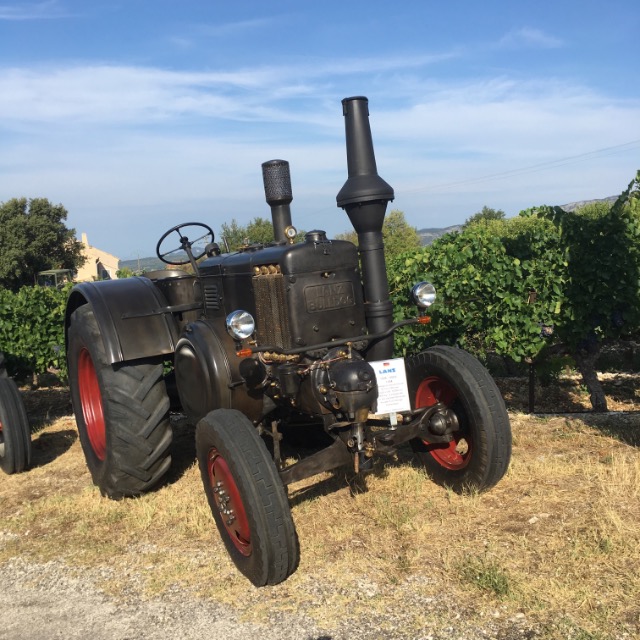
(32, 330)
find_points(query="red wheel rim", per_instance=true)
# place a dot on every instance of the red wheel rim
(91, 401)
(454, 455)
(229, 502)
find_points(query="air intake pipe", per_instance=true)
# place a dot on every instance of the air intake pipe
(364, 197)
(277, 191)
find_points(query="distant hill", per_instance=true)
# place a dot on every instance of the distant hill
(427, 236)
(572, 206)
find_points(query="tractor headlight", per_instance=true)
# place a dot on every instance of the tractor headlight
(424, 294)
(240, 324)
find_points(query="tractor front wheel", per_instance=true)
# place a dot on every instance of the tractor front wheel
(246, 497)
(122, 413)
(480, 450)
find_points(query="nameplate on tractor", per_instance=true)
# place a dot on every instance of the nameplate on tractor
(325, 297)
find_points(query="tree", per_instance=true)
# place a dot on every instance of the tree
(601, 302)
(33, 238)
(487, 213)
(232, 235)
(258, 231)
(349, 236)
(124, 272)
(398, 235)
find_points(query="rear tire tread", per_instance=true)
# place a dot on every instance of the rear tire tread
(136, 413)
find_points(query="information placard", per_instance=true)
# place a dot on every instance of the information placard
(393, 395)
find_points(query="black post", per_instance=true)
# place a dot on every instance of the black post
(532, 387)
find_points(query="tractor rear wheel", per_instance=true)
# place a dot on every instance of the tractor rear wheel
(247, 498)
(479, 453)
(122, 413)
(15, 433)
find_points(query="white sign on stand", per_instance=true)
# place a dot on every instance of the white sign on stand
(393, 394)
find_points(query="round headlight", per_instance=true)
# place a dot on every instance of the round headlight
(424, 294)
(240, 324)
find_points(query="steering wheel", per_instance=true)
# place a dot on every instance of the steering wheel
(198, 240)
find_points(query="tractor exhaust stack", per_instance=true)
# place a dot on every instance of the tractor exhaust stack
(364, 197)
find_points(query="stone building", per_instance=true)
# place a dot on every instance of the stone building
(99, 265)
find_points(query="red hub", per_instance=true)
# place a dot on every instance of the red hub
(91, 401)
(229, 502)
(454, 455)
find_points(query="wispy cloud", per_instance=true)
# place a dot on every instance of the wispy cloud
(378, 64)
(482, 114)
(511, 120)
(528, 37)
(32, 11)
(180, 42)
(117, 94)
(129, 94)
(195, 35)
(234, 28)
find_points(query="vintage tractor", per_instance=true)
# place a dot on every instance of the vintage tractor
(284, 338)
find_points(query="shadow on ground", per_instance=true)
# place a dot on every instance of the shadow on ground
(47, 447)
(45, 405)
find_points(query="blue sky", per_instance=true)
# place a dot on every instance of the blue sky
(138, 115)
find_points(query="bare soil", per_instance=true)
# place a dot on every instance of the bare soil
(569, 395)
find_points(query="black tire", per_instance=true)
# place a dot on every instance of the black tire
(247, 498)
(122, 413)
(15, 433)
(480, 452)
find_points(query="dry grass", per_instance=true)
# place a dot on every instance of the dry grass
(555, 546)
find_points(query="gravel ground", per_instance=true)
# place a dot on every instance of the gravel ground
(46, 602)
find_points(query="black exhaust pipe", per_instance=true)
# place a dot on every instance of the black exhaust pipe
(277, 190)
(364, 197)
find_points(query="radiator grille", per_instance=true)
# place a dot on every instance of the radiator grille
(272, 320)
(211, 296)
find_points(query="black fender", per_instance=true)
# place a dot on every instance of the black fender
(207, 374)
(132, 317)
